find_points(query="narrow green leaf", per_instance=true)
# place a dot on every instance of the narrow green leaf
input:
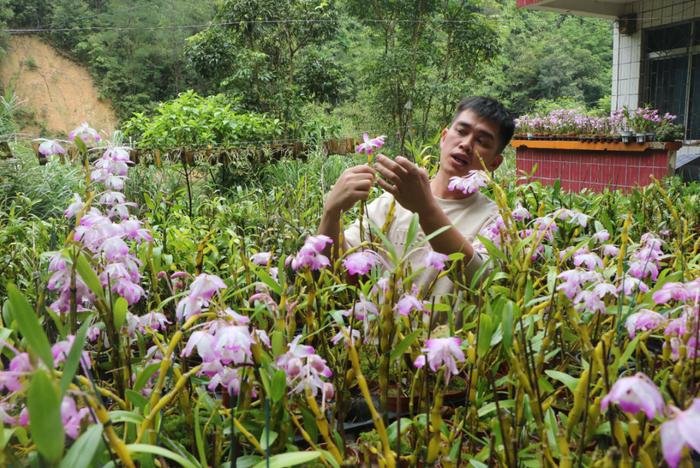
(82, 266)
(161, 452)
(83, 450)
(566, 379)
(119, 310)
(279, 385)
(507, 325)
(268, 280)
(5, 436)
(267, 438)
(73, 359)
(289, 459)
(277, 341)
(145, 375)
(135, 398)
(485, 332)
(80, 144)
(45, 424)
(404, 345)
(387, 244)
(29, 326)
(120, 416)
(411, 234)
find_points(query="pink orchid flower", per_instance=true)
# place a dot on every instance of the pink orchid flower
(360, 263)
(634, 394)
(436, 260)
(681, 431)
(468, 184)
(439, 352)
(51, 147)
(644, 320)
(370, 145)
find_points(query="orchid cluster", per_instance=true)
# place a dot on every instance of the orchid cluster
(310, 256)
(225, 345)
(680, 428)
(306, 370)
(563, 122)
(470, 183)
(570, 122)
(105, 236)
(440, 352)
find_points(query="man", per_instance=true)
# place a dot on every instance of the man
(481, 126)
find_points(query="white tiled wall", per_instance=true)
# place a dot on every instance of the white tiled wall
(627, 47)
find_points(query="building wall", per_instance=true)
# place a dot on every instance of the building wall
(627, 49)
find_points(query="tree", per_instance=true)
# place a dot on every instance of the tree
(426, 51)
(254, 48)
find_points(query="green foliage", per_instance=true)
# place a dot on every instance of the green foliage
(47, 188)
(421, 58)
(193, 121)
(258, 51)
(550, 56)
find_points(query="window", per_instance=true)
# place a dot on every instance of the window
(672, 73)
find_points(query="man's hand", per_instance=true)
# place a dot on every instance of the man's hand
(352, 186)
(409, 184)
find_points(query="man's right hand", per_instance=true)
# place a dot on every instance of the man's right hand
(353, 185)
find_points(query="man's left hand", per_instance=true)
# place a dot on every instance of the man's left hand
(408, 183)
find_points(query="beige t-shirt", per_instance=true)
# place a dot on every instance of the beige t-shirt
(469, 215)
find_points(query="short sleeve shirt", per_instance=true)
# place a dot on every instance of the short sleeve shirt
(469, 215)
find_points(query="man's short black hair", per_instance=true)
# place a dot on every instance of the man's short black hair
(490, 109)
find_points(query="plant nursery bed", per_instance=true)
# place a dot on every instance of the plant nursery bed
(594, 165)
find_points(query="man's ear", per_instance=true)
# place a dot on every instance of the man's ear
(497, 160)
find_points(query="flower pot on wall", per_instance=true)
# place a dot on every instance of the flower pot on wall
(626, 136)
(641, 137)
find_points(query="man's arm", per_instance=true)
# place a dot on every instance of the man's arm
(410, 186)
(353, 185)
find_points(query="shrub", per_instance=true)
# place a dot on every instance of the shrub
(193, 121)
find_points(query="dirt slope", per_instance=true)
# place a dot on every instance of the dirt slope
(60, 92)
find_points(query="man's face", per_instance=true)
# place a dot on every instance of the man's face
(469, 137)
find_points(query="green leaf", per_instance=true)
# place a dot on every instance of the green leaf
(82, 266)
(267, 434)
(29, 325)
(289, 459)
(73, 359)
(5, 436)
(278, 386)
(566, 379)
(161, 452)
(277, 341)
(83, 450)
(404, 345)
(493, 251)
(507, 325)
(45, 424)
(387, 244)
(628, 352)
(392, 430)
(329, 458)
(120, 416)
(119, 310)
(268, 280)
(145, 375)
(80, 144)
(485, 332)
(411, 234)
(135, 398)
